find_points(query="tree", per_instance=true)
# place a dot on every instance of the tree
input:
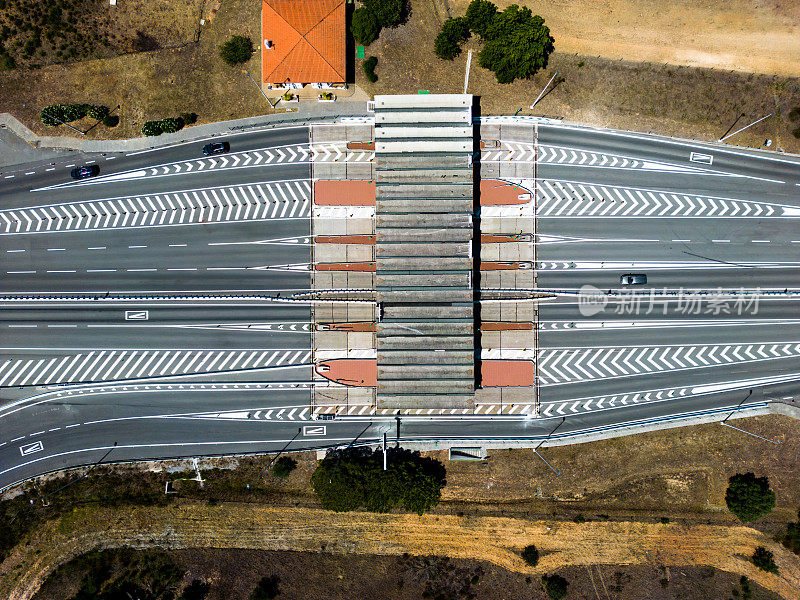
(197, 590)
(364, 26)
(283, 467)
(749, 497)
(111, 120)
(369, 68)
(765, 560)
(388, 13)
(448, 43)
(792, 538)
(236, 50)
(517, 45)
(354, 477)
(555, 586)
(530, 555)
(480, 14)
(267, 588)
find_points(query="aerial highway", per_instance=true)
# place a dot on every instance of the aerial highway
(163, 308)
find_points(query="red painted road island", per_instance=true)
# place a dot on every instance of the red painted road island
(345, 239)
(505, 266)
(363, 372)
(506, 326)
(344, 193)
(354, 266)
(495, 192)
(503, 373)
(358, 372)
(364, 326)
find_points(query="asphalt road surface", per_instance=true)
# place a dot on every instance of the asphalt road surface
(181, 337)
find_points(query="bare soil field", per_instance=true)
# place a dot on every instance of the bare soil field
(753, 36)
(640, 93)
(232, 574)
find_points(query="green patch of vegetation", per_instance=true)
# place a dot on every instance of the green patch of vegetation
(374, 15)
(364, 26)
(794, 114)
(555, 586)
(354, 477)
(442, 580)
(283, 467)
(266, 589)
(369, 68)
(168, 125)
(57, 114)
(237, 50)
(749, 497)
(792, 538)
(196, 590)
(530, 554)
(764, 560)
(448, 43)
(516, 43)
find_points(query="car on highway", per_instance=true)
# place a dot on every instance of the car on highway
(633, 279)
(216, 148)
(84, 171)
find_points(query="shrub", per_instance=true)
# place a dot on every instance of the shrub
(364, 26)
(555, 586)
(480, 14)
(749, 497)
(369, 68)
(171, 125)
(792, 538)
(796, 132)
(517, 45)
(111, 120)
(236, 50)
(388, 13)
(96, 112)
(267, 588)
(530, 555)
(453, 33)
(7, 62)
(765, 560)
(152, 128)
(794, 114)
(189, 118)
(354, 477)
(197, 590)
(283, 467)
(55, 114)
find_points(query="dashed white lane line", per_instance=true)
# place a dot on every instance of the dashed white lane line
(10, 251)
(56, 249)
(761, 241)
(101, 270)
(137, 246)
(177, 245)
(97, 248)
(30, 173)
(721, 241)
(681, 240)
(63, 271)
(19, 272)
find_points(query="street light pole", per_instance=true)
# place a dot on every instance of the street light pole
(722, 139)
(536, 450)
(259, 87)
(539, 97)
(274, 458)
(725, 422)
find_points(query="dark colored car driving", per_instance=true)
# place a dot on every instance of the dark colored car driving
(216, 148)
(84, 171)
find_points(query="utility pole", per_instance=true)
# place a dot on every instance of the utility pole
(539, 97)
(722, 139)
(536, 450)
(725, 422)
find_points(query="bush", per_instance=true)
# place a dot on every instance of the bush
(517, 45)
(197, 590)
(7, 62)
(530, 555)
(171, 125)
(448, 43)
(236, 50)
(792, 538)
(152, 128)
(794, 114)
(354, 477)
(369, 68)
(55, 114)
(267, 588)
(765, 560)
(189, 118)
(111, 120)
(555, 586)
(283, 467)
(749, 497)
(388, 13)
(480, 14)
(364, 26)
(96, 112)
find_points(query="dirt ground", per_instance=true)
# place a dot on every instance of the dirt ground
(497, 540)
(695, 103)
(754, 36)
(232, 574)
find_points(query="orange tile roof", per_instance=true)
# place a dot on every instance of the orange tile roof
(308, 41)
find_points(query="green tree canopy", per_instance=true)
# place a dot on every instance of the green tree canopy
(749, 497)
(369, 68)
(236, 50)
(351, 478)
(530, 554)
(283, 467)
(792, 538)
(555, 586)
(765, 560)
(517, 45)
(389, 13)
(480, 14)
(365, 26)
(448, 43)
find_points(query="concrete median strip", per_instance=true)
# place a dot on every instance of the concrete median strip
(494, 539)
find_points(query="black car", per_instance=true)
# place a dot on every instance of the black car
(216, 148)
(633, 279)
(85, 171)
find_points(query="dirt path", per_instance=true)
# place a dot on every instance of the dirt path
(758, 36)
(493, 539)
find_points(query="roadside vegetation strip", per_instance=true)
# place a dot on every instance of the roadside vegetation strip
(495, 539)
